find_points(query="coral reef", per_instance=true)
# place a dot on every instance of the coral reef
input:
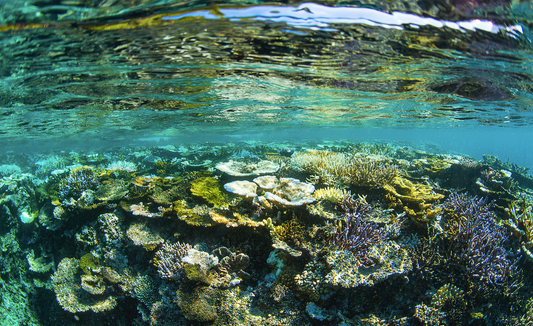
(157, 241)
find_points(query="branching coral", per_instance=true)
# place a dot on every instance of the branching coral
(343, 169)
(445, 293)
(357, 235)
(521, 224)
(331, 194)
(79, 179)
(478, 242)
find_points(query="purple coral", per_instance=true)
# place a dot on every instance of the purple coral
(478, 242)
(355, 234)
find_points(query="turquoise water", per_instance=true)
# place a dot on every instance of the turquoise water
(166, 89)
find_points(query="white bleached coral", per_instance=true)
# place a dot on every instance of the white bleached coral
(241, 169)
(242, 188)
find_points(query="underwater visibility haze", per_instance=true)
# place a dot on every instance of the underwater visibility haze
(266, 163)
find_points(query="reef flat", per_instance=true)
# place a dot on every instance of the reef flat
(265, 233)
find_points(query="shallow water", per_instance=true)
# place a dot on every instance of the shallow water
(161, 84)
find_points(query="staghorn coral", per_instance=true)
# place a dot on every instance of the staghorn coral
(477, 241)
(355, 234)
(343, 169)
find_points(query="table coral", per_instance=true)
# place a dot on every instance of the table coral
(208, 188)
(291, 193)
(242, 169)
(143, 235)
(242, 188)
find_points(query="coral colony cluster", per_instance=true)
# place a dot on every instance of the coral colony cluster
(265, 234)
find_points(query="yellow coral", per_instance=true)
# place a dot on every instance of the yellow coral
(447, 292)
(414, 198)
(209, 189)
(343, 169)
(89, 263)
(331, 194)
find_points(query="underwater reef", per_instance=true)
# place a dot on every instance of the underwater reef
(265, 233)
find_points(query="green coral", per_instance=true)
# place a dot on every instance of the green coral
(208, 188)
(89, 263)
(445, 293)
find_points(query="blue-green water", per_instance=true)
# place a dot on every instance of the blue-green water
(441, 91)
